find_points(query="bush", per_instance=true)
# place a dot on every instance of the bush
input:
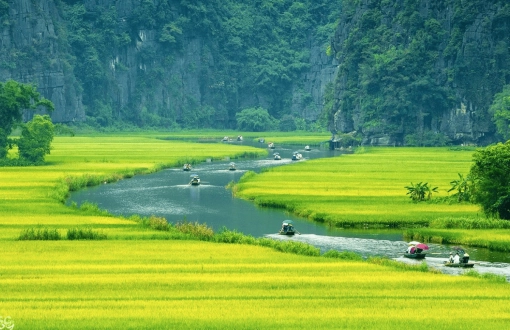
(40, 234)
(195, 229)
(158, 223)
(84, 234)
(345, 255)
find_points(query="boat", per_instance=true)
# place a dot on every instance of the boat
(186, 167)
(225, 139)
(270, 145)
(262, 140)
(195, 180)
(277, 156)
(232, 166)
(287, 228)
(296, 156)
(239, 138)
(459, 265)
(307, 148)
(415, 255)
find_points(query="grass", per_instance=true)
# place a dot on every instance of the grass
(148, 275)
(203, 285)
(363, 189)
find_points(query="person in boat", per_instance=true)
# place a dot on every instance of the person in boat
(456, 259)
(450, 259)
(465, 258)
(285, 227)
(411, 249)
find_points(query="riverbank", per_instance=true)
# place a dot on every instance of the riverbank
(367, 190)
(140, 278)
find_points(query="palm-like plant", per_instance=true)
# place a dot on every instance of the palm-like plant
(420, 191)
(462, 186)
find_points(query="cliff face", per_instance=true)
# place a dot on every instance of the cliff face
(434, 67)
(30, 53)
(132, 72)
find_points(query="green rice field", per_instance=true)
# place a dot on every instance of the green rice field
(140, 278)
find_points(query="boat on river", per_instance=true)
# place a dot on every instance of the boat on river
(270, 145)
(186, 167)
(460, 264)
(195, 180)
(415, 255)
(287, 228)
(297, 156)
(232, 166)
(307, 148)
(277, 156)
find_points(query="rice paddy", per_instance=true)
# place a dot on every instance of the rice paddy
(142, 278)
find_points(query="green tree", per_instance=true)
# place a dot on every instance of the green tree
(491, 179)
(254, 120)
(35, 140)
(500, 111)
(14, 98)
(420, 191)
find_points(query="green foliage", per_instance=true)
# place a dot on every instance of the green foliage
(158, 223)
(491, 179)
(14, 98)
(500, 111)
(420, 191)
(195, 229)
(344, 255)
(287, 124)
(84, 234)
(462, 187)
(468, 223)
(254, 120)
(35, 140)
(39, 234)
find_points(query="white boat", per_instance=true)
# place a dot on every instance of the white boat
(296, 156)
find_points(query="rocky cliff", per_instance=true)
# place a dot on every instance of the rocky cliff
(426, 67)
(145, 62)
(30, 52)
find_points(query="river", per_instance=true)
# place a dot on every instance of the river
(168, 194)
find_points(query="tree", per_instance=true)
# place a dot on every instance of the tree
(14, 98)
(255, 120)
(500, 110)
(35, 140)
(491, 179)
(420, 191)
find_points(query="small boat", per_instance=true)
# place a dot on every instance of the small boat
(287, 228)
(296, 156)
(415, 255)
(459, 265)
(195, 180)
(307, 148)
(225, 139)
(186, 167)
(239, 138)
(262, 140)
(270, 145)
(232, 167)
(277, 156)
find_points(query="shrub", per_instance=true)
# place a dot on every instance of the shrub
(40, 234)
(84, 234)
(344, 255)
(195, 229)
(158, 223)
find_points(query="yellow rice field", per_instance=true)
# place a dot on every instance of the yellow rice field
(138, 279)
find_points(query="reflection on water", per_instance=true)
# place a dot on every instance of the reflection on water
(168, 194)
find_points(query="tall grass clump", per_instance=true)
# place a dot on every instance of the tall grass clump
(158, 223)
(39, 234)
(344, 255)
(487, 276)
(84, 234)
(469, 223)
(196, 230)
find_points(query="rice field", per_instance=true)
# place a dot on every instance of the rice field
(199, 285)
(142, 278)
(365, 189)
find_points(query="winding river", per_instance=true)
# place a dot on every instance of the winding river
(168, 194)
